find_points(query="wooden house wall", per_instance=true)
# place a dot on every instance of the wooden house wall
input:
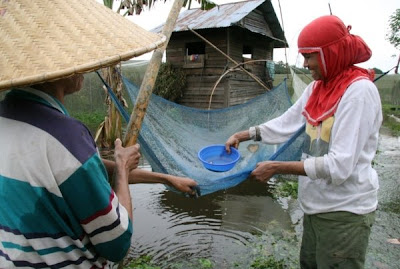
(214, 62)
(202, 80)
(241, 86)
(236, 87)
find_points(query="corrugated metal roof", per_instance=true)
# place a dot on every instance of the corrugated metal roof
(220, 16)
(225, 15)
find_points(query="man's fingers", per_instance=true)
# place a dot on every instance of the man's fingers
(137, 146)
(118, 142)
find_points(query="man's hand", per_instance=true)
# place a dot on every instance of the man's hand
(183, 184)
(235, 139)
(231, 142)
(264, 171)
(126, 158)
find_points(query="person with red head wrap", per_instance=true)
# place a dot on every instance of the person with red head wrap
(342, 112)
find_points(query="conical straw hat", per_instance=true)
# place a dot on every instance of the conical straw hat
(44, 40)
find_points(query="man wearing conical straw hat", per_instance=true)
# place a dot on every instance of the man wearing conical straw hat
(57, 207)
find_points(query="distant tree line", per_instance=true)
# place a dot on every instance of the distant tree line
(282, 68)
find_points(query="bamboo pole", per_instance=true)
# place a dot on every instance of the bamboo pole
(150, 76)
(232, 60)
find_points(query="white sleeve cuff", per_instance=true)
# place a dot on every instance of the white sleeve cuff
(252, 133)
(315, 168)
(309, 167)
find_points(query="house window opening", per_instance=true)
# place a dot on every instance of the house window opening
(195, 48)
(247, 52)
(195, 54)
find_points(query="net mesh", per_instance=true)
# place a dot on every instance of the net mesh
(171, 136)
(298, 85)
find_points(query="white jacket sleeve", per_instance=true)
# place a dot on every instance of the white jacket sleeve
(353, 138)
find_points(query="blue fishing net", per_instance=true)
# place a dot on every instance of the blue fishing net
(171, 136)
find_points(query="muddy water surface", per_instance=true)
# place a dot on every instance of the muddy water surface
(233, 228)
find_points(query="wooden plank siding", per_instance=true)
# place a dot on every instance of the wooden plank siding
(236, 87)
(243, 89)
(199, 91)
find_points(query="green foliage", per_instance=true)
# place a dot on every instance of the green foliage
(288, 188)
(285, 186)
(302, 70)
(92, 120)
(267, 263)
(280, 68)
(108, 3)
(170, 83)
(394, 29)
(388, 121)
(135, 7)
(204, 4)
(90, 99)
(143, 262)
(205, 263)
(377, 70)
(385, 86)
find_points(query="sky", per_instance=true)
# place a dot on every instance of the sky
(369, 19)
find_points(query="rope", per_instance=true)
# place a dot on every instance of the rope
(283, 29)
(386, 72)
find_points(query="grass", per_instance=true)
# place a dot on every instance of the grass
(389, 122)
(145, 262)
(92, 120)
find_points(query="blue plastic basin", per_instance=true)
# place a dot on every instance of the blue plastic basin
(215, 158)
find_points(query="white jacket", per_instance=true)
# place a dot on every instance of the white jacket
(343, 179)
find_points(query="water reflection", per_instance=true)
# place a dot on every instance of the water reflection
(221, 226)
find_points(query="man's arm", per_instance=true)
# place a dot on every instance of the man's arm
(126, 160)
(265, 170)
(182, 184)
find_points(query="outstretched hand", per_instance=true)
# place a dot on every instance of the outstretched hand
(183, 184)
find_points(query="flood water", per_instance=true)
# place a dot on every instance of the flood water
(232, 228)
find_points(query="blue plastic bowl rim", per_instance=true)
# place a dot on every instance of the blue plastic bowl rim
(219, 145)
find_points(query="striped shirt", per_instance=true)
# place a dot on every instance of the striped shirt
(57, 208)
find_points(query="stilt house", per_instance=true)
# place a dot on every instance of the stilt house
(225, 52)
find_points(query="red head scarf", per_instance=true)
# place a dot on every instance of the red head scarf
(338, 51)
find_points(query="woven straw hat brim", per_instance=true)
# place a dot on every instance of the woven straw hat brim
(44, 40)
